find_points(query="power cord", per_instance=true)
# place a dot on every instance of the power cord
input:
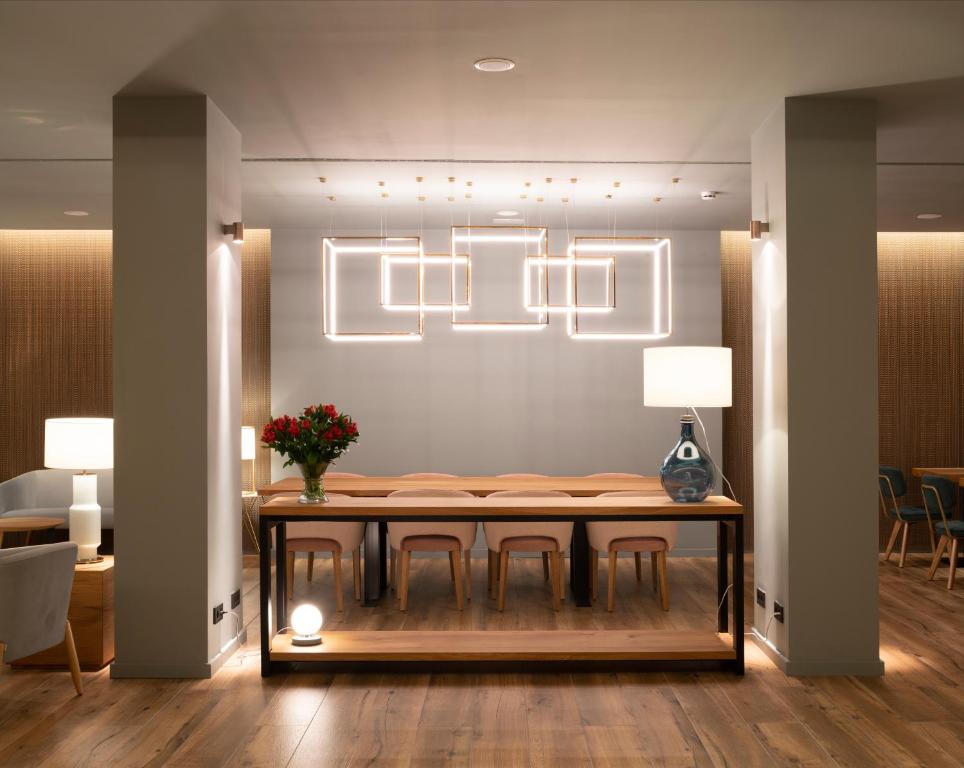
(706, 440)
(722, 600)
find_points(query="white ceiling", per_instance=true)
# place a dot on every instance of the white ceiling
(659, 89)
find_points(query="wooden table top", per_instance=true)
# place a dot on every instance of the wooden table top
(479, 507)
(478, 485)
(21, 524)
(951, 473)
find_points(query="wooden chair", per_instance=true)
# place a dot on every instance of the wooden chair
(940, 498)
(657, 538)
(313, 536)
(455, 538)
(551, 539)
(891, 486)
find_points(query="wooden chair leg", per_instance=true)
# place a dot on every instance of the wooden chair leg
(452, 568)
(467, 554)
(562, 576)
(545, 566)
(930, 533)
(72, 660)
(950, 576)
(311, 565)
(554, 577)
(503, 577)
(936, 560)
(594, 574)
(611, 583)
(493, 573)
(3, 650)
(456, 568)
(903, 545)
(356, 572)
(393, 570)
(339, 593)
(290, 563)
(638, 557)
(655, 571)
(405, 560)
(892, 540)
(663, 584)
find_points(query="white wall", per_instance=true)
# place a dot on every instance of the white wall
(485, 402)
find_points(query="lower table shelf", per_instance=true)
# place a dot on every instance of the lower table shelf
(499, 645)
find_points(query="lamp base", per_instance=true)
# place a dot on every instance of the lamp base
(306, 640)
(84, 518)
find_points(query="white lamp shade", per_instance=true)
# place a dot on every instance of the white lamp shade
(681, 377)
(247, 444)
(306, 620)
(75, 443)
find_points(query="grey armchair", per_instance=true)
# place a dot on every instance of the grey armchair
(35, 584)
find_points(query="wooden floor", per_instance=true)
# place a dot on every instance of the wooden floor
(911, 717)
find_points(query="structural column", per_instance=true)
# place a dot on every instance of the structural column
(815, 386)
(177, 382)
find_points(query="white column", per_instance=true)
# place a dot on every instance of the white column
(815, 385)
(177, 374)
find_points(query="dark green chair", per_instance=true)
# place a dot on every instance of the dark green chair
(940, 499)
(891, 486)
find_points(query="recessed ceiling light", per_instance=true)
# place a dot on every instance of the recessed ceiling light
(507, 213)
(930, 216)
(76, 213)
(494, 65)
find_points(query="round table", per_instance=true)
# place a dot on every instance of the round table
(28, 524)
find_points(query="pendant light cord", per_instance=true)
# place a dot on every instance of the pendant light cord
(706, 439)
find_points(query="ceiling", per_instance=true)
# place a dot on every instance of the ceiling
(638, 93)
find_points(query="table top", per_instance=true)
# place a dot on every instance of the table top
(951, 473)
(478, 485)
(20, 524)
(486, 507)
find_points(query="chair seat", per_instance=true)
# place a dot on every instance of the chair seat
(910, 514)
(953, 528)
(464, 532)
(603, 533)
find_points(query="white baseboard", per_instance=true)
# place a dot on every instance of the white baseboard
(120, 670)
(822, 667)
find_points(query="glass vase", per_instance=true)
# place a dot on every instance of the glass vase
(688, 473)
(314, 492)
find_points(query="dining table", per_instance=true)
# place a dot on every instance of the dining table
(376, 510)
(955, 474)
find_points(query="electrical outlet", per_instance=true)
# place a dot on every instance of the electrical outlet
(778, 611)
(218, 612)
(761, 598)
(236, 598)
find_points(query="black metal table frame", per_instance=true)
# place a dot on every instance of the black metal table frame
(376, 568)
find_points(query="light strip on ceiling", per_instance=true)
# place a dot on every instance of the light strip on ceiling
(389, 260)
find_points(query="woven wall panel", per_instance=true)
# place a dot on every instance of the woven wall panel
(55, 336)
(737, 302)
(256, 344)
(921, 332)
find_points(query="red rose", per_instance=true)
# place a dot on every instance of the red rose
(311, 409)
(279, 423)
(352, 428)
(329, 434)
(330, 411)
(293, 429)
(268, 435)
(305, 424)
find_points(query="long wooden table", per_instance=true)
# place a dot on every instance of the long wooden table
(490, 646)
(956, 474)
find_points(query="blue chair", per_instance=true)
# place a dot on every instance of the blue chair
(940, 498)
(891, 486)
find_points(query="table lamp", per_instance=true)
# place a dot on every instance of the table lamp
(688, 377)
(82, 444)
(248, 445)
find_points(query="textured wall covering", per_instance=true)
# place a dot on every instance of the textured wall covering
(737, 305)
(256, 344)
(921, 284)
(55, 336)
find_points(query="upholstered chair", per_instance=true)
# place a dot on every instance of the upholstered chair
(522, 476)
(35, 584)
(551, 539)
(336, 537)
(940, 499)
(891, 487)
(455, 538)
(657, 537)
(427, 476)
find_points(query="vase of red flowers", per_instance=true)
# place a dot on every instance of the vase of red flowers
(312, 440)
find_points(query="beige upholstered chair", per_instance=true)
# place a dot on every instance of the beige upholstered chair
(455, 538)
(427, 476)
(494, 567)
(617, 476)
(548, 538)
(325, 536)
(522, 476)
(657, 537)
(35, 586)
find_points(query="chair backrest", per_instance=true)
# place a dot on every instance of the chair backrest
(336, 475)
(528, 494)
(428, 493)
(522, 476)
(617, 476)
(427, 476)
(940, 497)
(891, 486)
(35, 584)
(55, 487)
(653, 492)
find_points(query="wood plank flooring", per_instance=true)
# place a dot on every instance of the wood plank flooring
(911, 717)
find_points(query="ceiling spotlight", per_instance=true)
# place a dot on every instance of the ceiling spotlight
(708, 195)
(616, 184)
(675, 179)
(573, 180)
(548, 179)
(468, 183)
(468, 195)
(657, 199)
(451, 199)
(564, 199)
(331, 198)
(757, 228)
(322, 179)
(235, 230)
(921, 216)
(421, 198)
(507, 213)
(494, 65)
(523, 197)
(451, 179)
(419, 179)
(381, 183)
(384, 194)
(76, 213)
(539, 199)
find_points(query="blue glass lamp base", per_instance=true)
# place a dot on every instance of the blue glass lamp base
(687, 473)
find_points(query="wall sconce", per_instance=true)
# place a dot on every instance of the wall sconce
(757, 228)
(236, 230)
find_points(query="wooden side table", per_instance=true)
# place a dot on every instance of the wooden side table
(91, 616)
(27, 524)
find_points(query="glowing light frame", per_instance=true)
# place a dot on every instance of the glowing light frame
(391, 246)
(638, 245)
(422, 260)
(569, 262)
(501, 234)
